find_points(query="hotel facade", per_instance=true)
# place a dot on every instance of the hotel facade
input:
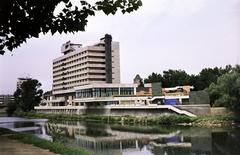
(89, 78)
(98, 64)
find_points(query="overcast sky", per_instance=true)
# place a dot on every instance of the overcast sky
(162, 34)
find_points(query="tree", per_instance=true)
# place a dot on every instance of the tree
(195, 82)
(208, 76)
(201, 81)
(28, 95)
(172, 78)
(226, 92)
(11, 108)
(154, 77)
(236, 68)
(21, 19)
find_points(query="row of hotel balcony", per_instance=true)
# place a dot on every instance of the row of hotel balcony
(72, 79)
(66, 75)
(89, 58)
(80, 66)
(89, 50)
(75, 63)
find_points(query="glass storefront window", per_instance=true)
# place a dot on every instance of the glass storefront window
(104, 92)
(126, 91)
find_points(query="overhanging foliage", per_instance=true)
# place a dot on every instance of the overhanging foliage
(22, 19)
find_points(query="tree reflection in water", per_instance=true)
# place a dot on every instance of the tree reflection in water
(58, 134)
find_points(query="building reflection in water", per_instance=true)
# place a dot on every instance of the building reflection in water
(118, 140)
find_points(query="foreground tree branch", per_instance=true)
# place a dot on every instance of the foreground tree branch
(23, 19)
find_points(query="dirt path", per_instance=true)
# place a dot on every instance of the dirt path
(14, 147)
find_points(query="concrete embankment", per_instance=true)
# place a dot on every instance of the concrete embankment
(143, 110)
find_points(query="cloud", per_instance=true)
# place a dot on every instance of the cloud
(176, 7)
(186, 6)
(162, 34)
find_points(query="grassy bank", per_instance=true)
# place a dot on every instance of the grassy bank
(218, 121)
(203, 121)
(3, 114)
(52, 146)
(126, 119)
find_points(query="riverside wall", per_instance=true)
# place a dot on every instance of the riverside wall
(123, 110)
(199, 109)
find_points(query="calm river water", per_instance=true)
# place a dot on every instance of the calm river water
(138, 140)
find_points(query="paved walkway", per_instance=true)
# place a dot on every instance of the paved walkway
(14, 147)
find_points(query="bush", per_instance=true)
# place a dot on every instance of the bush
(127, 119)
(11, 108)
(226, 91)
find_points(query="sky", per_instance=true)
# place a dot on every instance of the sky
(163, 34)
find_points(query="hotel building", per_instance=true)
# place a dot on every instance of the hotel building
(80, 66)
(88, 78)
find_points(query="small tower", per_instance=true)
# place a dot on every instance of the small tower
(137, 80)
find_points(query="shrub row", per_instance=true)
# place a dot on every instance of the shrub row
(126, 119)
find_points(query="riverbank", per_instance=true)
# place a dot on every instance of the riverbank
(201, 121)
(3, 114)
(55, 147)
(218, 121)
(15, 147)
(125, 119)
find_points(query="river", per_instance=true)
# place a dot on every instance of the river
(118, 139)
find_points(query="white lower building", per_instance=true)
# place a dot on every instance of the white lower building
(107, 94)
(112, 94)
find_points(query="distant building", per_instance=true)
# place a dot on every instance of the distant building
(47, 98)
(20, 81)
(5, 100)
(176, 91)
(180, 94)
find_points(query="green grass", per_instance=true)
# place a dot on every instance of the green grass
(52, 146)
(234, 118)
(225, 120)
(54, 117)
(126, 119)
(4, 131)
(2, 113)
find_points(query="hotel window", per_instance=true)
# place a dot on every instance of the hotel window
(127, 91)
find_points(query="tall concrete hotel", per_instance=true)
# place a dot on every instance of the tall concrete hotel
(88, 78)
(96, 64)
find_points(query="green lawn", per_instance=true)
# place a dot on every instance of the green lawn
(52, 146)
